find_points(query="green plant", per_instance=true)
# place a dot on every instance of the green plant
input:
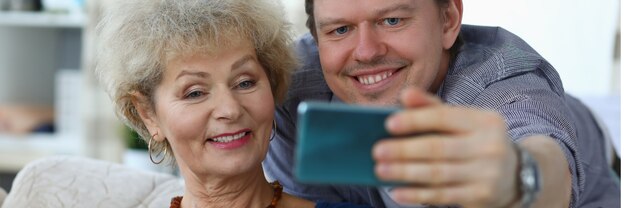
(132, 140)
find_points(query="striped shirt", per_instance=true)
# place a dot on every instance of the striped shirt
(493, 70)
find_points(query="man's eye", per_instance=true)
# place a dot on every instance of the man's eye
(341, 30)
(391, 21)
(246, 84)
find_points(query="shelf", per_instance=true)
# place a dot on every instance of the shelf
(17, 151)
(41, 19)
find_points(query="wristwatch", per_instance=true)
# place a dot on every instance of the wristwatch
(529, 177)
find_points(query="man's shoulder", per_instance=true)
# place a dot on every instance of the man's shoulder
(495, 39)
(495, 48)
(307, 81)
(493, 54)
(494, 60)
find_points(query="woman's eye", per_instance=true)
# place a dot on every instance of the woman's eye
(246, 84)
(341, 30)
(391, 21)
(194, 94)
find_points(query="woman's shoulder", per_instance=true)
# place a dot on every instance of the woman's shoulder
(339, 205)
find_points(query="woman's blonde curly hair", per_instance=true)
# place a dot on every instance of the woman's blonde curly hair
(136, 38)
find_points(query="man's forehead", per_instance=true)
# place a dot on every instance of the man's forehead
(332, 11)
(330, 8)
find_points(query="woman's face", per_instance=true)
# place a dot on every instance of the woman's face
(216, 111)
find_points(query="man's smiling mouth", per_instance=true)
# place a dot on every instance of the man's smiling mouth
(374, 78)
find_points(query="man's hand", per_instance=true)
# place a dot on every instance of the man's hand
(449, 155)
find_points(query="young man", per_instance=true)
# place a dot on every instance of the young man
(494, 126)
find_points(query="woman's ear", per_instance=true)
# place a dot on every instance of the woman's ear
(453, 15)
(147, 113)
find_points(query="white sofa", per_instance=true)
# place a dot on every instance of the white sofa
(65, 181)
(3, 194)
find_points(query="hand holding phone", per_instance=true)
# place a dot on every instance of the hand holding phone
(334, 144)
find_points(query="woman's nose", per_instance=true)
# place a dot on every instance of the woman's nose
(227, 106)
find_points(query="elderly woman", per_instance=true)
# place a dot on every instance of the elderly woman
(198, 79)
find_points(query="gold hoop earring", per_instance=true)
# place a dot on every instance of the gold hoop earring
(150, 151)
(274, 131)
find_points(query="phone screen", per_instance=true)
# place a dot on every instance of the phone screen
(334, 144)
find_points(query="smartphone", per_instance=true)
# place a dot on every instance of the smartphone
(334, 143)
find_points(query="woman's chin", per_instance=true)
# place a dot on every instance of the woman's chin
(229, 167)
(219, 162)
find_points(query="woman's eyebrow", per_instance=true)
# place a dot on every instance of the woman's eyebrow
(191, 73)
(241, 61)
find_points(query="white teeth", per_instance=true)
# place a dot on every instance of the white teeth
(373, 79)
(229, 138)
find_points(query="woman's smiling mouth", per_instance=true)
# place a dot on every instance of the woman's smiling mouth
(228, 138)
(231, 140)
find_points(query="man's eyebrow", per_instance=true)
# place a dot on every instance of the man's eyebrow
(191, 73)
(322, 23)
(398, 7)
(380, 12)
(241, 61)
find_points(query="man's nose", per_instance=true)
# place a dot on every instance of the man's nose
(227, 106)
(369, 45)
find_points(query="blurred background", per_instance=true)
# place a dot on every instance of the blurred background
(50, 103)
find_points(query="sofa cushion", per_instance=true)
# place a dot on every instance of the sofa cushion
(3, 194)
(64, 181)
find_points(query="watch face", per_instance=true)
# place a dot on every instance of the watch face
(528, 179)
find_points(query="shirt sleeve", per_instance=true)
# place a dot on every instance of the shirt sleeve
(530, 107)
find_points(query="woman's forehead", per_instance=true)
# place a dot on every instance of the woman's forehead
(205, 45)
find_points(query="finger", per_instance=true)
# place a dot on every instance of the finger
(430, 174)
(441, 119)
(464, 195)
(432, 147)
(414, 97)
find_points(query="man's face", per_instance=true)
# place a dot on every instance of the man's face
(370, 50)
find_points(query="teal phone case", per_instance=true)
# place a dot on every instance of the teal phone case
(335, 142)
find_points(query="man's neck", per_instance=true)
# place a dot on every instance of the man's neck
(441, 75)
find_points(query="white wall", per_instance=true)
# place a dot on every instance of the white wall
(296, 15)
(576, 36)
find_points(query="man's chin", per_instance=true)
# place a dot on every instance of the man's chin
(377, 101)
(387, 97)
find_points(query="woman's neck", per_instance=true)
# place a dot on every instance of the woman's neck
(251, 190)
